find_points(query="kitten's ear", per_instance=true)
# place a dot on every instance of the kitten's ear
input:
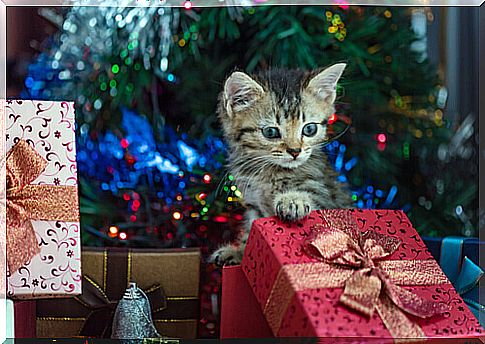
(324, 83)
(240, 91)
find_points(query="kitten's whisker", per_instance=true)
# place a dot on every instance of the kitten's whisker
(221, 181)
(246, 164)
(255, 167)
(255, 172)
(251, 177)
(228, 172)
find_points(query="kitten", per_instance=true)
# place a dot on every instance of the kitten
(275, 125)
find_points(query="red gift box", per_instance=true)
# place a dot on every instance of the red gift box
(241, 316)
(24, 315)
(20, 319)
(290, 284)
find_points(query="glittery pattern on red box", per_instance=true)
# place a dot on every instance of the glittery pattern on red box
(317, 312)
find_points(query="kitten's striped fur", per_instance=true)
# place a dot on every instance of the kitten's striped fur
(287, 176)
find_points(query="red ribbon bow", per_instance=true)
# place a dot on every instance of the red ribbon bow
(339, 242)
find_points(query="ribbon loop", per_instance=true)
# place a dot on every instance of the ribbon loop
(26, 202)
(23, 165)
(362, 291)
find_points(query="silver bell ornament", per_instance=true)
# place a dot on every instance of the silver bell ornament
(133, 316)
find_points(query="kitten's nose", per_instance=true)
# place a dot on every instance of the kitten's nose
(294, 152)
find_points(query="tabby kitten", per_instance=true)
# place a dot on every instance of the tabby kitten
(275, 125)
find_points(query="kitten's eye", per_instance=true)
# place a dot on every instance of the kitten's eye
(310, 129)
(271, 132)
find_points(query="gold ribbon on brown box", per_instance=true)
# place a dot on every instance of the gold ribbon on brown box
(356, 261)
(26, 202)
(96, 305)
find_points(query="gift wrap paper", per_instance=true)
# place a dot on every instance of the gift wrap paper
(48, 128)
(177, 271)
(317, 312)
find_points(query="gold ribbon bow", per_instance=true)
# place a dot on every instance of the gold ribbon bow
(26, 202)
(355, 261)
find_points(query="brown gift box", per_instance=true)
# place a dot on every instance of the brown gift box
(175, 308)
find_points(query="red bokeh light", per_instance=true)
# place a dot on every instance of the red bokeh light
(135, 205)
(332, 119)
(382, 138)
(381, 147)
(207, 178)
(238, 217)
(220, 219)
(124, 143)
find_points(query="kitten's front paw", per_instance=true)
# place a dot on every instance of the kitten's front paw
(292, 206)
(227, 255)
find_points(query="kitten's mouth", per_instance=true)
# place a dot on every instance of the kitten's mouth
(292, 162)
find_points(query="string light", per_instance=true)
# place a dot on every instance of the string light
(113, 231)
(337, 26)
(207, 178)
(177, 215)
(135, 205)
(381, 138)
(405, 150)
(187, 5)
(332, 119)
(220, 219)
(124, 143)
(201, 197)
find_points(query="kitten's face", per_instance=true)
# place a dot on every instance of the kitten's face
(278, 117)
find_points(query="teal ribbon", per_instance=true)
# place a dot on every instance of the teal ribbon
(463, 274)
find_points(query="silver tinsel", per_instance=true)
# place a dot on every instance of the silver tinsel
(110, 27)
(92, 39)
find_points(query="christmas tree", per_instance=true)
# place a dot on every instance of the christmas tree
(150, 153)
(146, 82)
